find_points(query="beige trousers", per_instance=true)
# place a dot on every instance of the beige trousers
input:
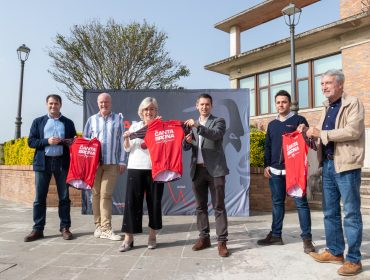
(105, 181)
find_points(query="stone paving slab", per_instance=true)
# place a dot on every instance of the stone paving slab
(86, 257)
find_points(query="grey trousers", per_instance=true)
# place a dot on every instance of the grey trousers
(201, 183)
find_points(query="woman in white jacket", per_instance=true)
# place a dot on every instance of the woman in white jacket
(140, 182)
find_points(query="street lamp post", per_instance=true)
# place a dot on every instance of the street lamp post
(23, 52)
(292, 15)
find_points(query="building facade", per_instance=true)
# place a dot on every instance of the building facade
(343, 44)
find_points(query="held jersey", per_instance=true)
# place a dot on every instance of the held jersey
(85, 156)
(164, 142)
(295, 152)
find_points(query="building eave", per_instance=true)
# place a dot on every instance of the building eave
(312, 36)
(261, 13)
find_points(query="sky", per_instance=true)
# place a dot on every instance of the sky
(192, 40)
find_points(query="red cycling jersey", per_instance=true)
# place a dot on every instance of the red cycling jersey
(164, 142)
(85, 156)
(295, 151)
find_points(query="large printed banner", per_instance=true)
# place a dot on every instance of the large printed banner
(178, 198)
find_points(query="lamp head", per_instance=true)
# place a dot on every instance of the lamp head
(290, 10)
(23, 52)
(289, 13)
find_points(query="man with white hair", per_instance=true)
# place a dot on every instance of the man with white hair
(107, 127)
(341, 138)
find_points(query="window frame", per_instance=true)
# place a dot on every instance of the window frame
(310, 79)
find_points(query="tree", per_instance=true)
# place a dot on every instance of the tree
(113, 56)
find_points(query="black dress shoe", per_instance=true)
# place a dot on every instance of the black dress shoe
(308, 246)
(66, 234)
(270, 240)
(34, 235)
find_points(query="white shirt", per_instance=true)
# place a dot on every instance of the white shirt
(139, 158)
(200, 142)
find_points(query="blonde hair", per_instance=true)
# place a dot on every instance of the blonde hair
(145, 104)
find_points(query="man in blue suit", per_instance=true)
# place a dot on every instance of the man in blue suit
(208, 171)
(50, 136)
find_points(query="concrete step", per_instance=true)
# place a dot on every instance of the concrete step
(365, 182)
(316, 202)
(365, 172)
(315, 205)
(364, 190)
(317, 196)
(365, 199)
(365, 209)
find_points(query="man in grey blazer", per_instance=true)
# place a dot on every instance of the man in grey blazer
(208, 171)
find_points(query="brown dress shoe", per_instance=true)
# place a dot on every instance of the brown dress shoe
(202, 243)
(327, 257)
(222, 249)
(350, 268)
(66, 234)
(34, 235)
(308, 246)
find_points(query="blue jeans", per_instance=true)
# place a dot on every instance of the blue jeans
(53, 166)
(278, 194)
(345, 185)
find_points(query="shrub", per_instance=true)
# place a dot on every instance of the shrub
(257, 147)
(17, 152)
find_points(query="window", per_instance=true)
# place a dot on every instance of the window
(302, 85)
(308, 85)
(274, 90)
(249, 83)
(303, 100)
(320, 66)
(264, 101)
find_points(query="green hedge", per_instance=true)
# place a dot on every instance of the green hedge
(17, 152)
(257, 144)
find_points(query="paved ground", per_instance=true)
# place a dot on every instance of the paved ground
(86, 257)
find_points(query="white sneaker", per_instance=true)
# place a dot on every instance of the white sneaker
(109, 234)
(97, 232)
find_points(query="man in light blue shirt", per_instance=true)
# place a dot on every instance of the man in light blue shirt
(107, 127)
(49, 136)
(54, 128)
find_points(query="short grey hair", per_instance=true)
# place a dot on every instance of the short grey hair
(145, 104)
(338, 74)
(104, 94)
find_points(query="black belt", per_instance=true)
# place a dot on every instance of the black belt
(200, 165)
(56, 157)
(329, 157)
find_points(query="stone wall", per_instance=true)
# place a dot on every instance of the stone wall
(260, 195)
(17, 183)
